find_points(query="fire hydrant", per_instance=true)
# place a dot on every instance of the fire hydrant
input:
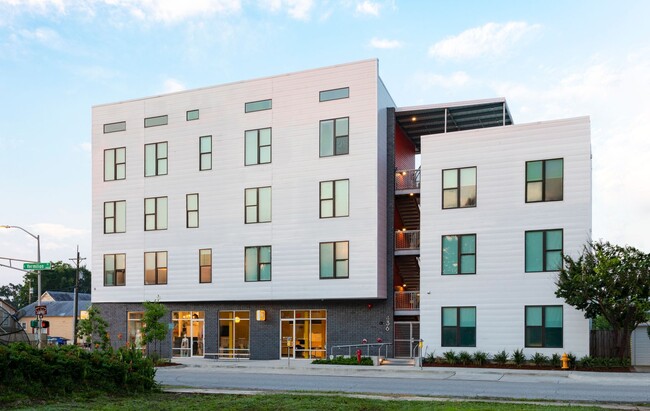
(565, 361)
(359, 356)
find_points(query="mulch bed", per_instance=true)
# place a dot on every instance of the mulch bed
(528, 367)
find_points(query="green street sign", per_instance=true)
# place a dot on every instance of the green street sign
(37, 266)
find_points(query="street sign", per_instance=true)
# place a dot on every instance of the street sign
(37, 266)
(40, 310)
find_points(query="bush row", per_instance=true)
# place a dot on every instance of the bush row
(518, 358)
(340, 360)
(63, 370)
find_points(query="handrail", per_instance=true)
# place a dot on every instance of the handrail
(407, 179)
(407, 300)
(367, 345)
(407, 240)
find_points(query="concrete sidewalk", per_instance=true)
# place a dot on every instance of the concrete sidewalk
(305, 367)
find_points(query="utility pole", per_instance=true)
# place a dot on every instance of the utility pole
(76, 260)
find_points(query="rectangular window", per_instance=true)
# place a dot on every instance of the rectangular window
(334, 198)
(134, 329)
(114, 217)
(334, 259)
(459, 326)
(155, 213)
(115, 164)
(114, 127)
(334, 136)
(544, 180)
(543, 250)
(155, 267)
(155, 159)
(192, 210)
(205, 153)
(257, 263)
(257, 146)
(191, 115)
(544, 326)
(459, 254)
(335, 94)
(155, 121)
(257, 106)
(459, 187)
(114, 269)
(205, 265)
(257, 205)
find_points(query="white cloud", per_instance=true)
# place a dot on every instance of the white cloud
(172, 85)
(368, 7)
(384, 43)
(296, 9)
(86, 147)
(490, 39)
(452, 81)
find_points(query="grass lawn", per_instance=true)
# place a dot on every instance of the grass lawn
(271, 402)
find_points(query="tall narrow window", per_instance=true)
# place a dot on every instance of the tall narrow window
(258, 105)
(205, 265)
(155, 267)
(459, 254)
(543, 250)
(334, 198)
(191, 115)
(544, 180)
(115, 164)
(334, 137)
(334, 259)
(459, 326)
(258, 205)
(155, 159)
(155, 213)
(257, 146)
(544, 326)
(192, 210)
(114, 217)
(459, 187)
(114, 269)
(205, 153)
(257, 264)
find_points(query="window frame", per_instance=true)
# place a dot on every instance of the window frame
(189, 212)
(258, 147)
(249, 107)
(545, 250)
(458, 187)
(543, 327)
(457, 326)
(157, 269)
(155, 213)
(153, 121)
(258, 269)
(257, 206)
(201, 266)
(114, 217)
(459, 253)
(335, 138)
(115, 166)
(114, 124)
(115, 270)
(333, 198)
(158, 160)
(187, 114)
(205, 154)
(329, 92)
(543, 180)
(334, 260)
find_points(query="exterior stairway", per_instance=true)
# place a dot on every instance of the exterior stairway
(408, 208)
(399, 361)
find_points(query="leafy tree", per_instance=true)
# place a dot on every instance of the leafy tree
(153, 330)
(92, 330)
(611, 281)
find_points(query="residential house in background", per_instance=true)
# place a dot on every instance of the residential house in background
(60, 309)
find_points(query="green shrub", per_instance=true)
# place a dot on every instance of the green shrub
(480, 358)
(430, 358)
(539, 359)
(464, 357)
(450, 357)
(556, 360)
(518, 357)
(501, 357)
(572, 360)
(340, 360)
(587, 361)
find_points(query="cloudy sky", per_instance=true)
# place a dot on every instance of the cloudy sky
(549, 59)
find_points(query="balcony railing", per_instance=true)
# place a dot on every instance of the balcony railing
(407, 179)
(407, 300)
(407, 240)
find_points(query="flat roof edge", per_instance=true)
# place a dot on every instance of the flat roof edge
(451, 104)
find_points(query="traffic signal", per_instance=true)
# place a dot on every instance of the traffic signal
(33, 323)
(45, 324)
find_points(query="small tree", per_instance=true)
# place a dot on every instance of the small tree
(92, 330)
(611, 281)
(153, 330)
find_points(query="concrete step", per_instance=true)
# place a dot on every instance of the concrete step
(399, 361)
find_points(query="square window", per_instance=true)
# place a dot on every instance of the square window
(191, 115)
(155, 267)
(114, 269)
(544, 250)
(334, 260)
(257, 263)
(257, 148)
(334, 136)
(155, 213)
(459, 187)
(458, 327)
(334, 198)
(544, 325)
(257, 205)
(544, 180)
(459, 254)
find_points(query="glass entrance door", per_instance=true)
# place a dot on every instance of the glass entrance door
(234, 334)
(303, 334)
(187, 336)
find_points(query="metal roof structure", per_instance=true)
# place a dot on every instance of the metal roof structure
(54, 308)
(64, 296)
(418, 121)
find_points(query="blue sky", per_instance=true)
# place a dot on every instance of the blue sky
(549, 59)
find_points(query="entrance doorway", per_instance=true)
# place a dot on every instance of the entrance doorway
(187, 336)
(234, 334)
(407, 337)
(303, 333)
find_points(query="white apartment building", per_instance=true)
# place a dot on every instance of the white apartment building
(285, 217)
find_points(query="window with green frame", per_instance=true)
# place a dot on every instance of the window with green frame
(459, 254)
(459, 326)
(543, 250)
(544, 180)
(544, 326)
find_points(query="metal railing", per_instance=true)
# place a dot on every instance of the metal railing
(407, 240)
(366, 346)
(407, 179)
(407, 300)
